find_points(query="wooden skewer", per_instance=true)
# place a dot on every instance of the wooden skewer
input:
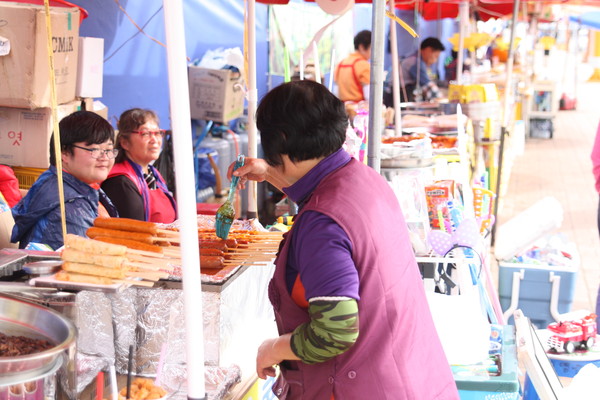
(168, 233)
(134, 282)
(236, 263)
(150, 263)
(149, 276)
(144, 253)
(165, 239)
(171, 252)
(141, 265)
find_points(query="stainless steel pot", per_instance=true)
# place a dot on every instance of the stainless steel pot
(21, 318)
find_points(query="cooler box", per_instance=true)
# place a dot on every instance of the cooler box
(535, 289)
(503, 387)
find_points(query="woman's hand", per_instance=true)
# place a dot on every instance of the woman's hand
(257, 169)
(271, 352)
(254, 169)
(266, 360)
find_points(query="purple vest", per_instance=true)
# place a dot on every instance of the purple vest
(398, 354)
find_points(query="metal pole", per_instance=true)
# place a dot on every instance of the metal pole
(186, 197)
(463, 14)
(505, 117)
(376, 86)
(395, 73)
(252, 102)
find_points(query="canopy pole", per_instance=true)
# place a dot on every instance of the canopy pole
(252, 103)
(186, 197)
(395, 73)
(376, 86)
(506, 111)
(463, 18)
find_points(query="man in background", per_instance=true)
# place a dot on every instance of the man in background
(420, 78)
(353, 74)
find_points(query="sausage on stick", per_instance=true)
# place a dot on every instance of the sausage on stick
(132, 225)
(95, 232)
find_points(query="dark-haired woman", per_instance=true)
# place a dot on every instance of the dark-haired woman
(136, 188)
(87, 154)
(349, 302)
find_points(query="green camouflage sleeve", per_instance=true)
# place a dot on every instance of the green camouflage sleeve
(333, 329)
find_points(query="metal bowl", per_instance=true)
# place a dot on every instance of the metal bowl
(20, 318)
(44, 267)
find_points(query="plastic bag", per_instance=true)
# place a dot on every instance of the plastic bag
(222, 58)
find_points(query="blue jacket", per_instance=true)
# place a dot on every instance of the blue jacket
(37, 215)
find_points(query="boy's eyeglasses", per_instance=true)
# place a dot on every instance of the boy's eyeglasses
(146, 134)
(97, 153)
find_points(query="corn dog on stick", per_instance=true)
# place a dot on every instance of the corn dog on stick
(77, 256)
(93, 246)
(80, 278)
(90, 269)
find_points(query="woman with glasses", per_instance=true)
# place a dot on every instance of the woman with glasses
(87, 155)
(137, 188)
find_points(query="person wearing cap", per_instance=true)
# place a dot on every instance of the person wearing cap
(353, 74)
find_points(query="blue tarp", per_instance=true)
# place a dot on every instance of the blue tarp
(590, 19)
(135, 65)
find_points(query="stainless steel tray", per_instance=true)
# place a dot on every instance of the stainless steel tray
(30, 320)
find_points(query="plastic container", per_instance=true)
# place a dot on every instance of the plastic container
(503, 387)
(535, 290)
(223, 148)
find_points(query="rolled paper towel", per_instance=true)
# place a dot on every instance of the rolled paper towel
(523, 230)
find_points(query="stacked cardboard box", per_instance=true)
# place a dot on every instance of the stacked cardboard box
(25, 91)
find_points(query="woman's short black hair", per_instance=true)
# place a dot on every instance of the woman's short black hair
(301, 119)
(81, 126)
(131, 120)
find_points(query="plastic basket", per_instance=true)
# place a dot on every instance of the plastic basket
(27, 176)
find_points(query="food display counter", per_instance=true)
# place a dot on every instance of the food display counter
(237, 317)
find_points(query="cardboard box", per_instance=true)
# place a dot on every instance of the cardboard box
(96, 106)
(90, 67)
(215, 94)
(24, 70)
(25, 134)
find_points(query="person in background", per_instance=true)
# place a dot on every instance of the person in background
(350, 307)
(353, 74)
(420, 78)
(9, 186)
(596, 170)
(136, 188)
(87, 154)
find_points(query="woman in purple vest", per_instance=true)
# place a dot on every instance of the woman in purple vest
(347, 293)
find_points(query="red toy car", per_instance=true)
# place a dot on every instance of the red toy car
(569, 335)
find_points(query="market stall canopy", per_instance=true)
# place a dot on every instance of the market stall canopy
(55, 3)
